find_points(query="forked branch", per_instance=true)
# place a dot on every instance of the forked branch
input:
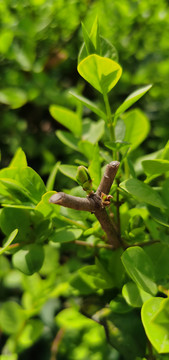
(95, 202)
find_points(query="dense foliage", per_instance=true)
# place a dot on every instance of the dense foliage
(65, 292)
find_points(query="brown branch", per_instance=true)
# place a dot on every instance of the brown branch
(73, 202)
(108, 178)
(94, 203)
(56, 342)
(107, 226)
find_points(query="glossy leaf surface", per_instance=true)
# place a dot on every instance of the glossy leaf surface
(102, 73)
(140, 268)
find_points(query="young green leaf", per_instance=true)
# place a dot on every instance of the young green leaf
(67, 118)
(137, 127)
(8, 241)
(28, 180)
(45, 208)
(159, 216)
(93, 131)
(142, 192)
(159, 255)
(131, 99)
(95, 167)
(31, 333)
(102, 73)
(89, 104)
(92, 276)
(19, 159)
(155, 167)
(66, 234)
(154, 314)
(14, 97)
(88, 42)
(72, 319)
(68, 139)
(86, 148)
(52, 176)
(69, 171)
(140, 268)
(29, 259)
(134, 295)
(12, 317)
(95, 35)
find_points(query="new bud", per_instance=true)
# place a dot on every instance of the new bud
(83, 178)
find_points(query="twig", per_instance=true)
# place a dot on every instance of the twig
(73, 202)
(56, 342)
(108, 178)
(146, 243)
(150, 350)
(95, 203)
(100, 246)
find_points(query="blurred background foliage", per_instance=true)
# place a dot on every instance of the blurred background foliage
(39, 45)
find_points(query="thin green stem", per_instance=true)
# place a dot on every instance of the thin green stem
(109, 117)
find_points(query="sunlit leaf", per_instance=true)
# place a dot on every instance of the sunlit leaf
(155, 313)
(131, 99)
(102, 73)
(143, 192)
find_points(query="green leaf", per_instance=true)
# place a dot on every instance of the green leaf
(105, 49)
(69, 171)
(86, 148)
(12, 317)
(66, 234)
(142, 192)
(29, 259)
(9, 357)
(92, 276)
(88, 42)
(67, 118)
(72, 319)
(165, 192)
(30, 334)
(131, 99)
(134, 295)
(95, 35)
(140, 268)
(19, 159)
(103, 271)
(102, 73)
(6, 40)
(137, 127)
(12, 219)
(155, 313)
(89, 104)
(95, 167)
(28, 179)
(51, 179)
(159, 254)
(68, 139)
(45, 207)
(93, 131)
(17, 191)
(14, 97)
(155, 167)
(119, 305)
(116, 145)
(8, 241)
(125, 332)
(159, 216)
